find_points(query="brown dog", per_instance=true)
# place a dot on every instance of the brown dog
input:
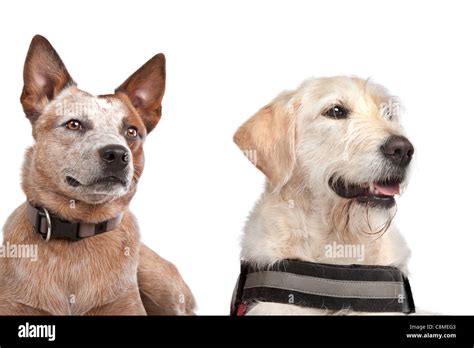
(79, 178)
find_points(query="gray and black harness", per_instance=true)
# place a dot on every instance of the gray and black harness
(361, 288)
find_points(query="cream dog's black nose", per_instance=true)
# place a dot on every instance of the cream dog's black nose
(398, 149)
(116, 157)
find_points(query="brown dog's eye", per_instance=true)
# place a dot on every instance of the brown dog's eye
(336, 112)
(132, 132)
(74, 125)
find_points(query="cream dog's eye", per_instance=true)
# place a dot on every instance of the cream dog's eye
(132, 132)
(336, 112)
(74, 125)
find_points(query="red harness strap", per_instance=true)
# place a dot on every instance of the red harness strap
(241, 309)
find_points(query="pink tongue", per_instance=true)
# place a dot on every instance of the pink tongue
(390, 190)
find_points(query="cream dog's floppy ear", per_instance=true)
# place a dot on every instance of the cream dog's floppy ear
(268, 140)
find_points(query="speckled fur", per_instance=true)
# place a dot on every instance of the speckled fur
(111, 273)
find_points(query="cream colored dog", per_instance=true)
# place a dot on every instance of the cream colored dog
(335, 156)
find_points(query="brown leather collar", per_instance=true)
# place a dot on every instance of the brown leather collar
(50, 226)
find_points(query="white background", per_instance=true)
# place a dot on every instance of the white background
(226, 59)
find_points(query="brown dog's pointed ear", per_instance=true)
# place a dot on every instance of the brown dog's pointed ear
(145, 89)
(44, 76)
(268, 140)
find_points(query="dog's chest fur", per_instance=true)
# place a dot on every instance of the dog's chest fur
(73, 279)
(275, 231)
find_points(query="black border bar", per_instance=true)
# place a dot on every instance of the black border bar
(289, 330)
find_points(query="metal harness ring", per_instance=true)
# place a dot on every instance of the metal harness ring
(48, 220)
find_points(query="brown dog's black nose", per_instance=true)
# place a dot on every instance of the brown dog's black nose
(398, 149)
(115, 156)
